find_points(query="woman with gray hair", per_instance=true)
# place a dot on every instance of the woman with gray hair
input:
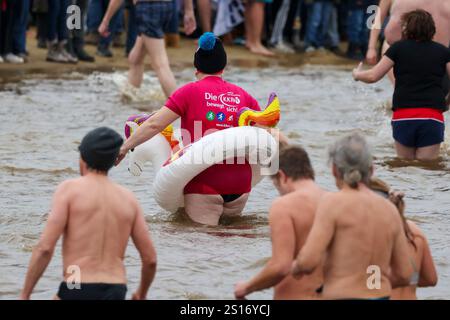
(351, 158)
(359, 233)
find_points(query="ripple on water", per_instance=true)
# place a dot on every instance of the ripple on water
(48, 117)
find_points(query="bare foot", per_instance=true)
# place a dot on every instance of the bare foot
(259, 49)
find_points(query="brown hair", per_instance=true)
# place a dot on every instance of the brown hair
(380, 186)
(418, 25)
(295, 163)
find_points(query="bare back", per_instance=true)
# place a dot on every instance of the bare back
(100, 221)
(300, 207)
(365, 233)
(439, 9)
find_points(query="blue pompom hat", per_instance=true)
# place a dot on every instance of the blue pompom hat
(210, 57)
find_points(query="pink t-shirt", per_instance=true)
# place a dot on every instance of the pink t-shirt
(208, 105)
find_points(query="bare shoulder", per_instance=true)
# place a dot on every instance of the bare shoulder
(127, 195)
(416, 231)
(67, 186)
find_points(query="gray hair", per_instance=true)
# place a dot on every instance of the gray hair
(353, 159)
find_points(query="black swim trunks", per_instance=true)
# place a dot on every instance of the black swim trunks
(93, 291)
(230, 197)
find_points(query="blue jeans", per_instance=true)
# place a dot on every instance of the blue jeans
(96, 11)
(319, 14)
(57, 20)
(357, 30)
(19, 26)
(132, 29)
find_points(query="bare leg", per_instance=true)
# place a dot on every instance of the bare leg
(254, 22)
(204, 9)
(156, 49)
(136, 61)
(204, 208)
(234, 208)
(404, 152)
(428, 153)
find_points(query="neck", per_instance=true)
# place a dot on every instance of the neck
(96, 174)
(202, 76)
(303, 184)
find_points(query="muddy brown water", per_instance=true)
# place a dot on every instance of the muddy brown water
(43, 120)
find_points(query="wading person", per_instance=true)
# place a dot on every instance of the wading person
(153, 20)
(290, 218)
(425, 274)
(419, 99)
(222, 188)
(360, 233)
(96, 218)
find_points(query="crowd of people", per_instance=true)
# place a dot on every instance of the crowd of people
(265, 27)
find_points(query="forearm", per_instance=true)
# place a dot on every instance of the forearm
(188, 6)
(148, 272)
(113, 7)
(145, 132)
(39, 262)
(366, 76)
(269, 277)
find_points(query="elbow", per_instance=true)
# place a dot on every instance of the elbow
(152, 125)
(44, 250)
(149, 262)
(307, 266)
(429, 281)
(281, 270)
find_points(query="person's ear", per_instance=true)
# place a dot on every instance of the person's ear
(335, 172)
(371, 171)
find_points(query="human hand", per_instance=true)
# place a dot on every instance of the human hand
(103, 28)
(122, 153)
(372, 57)
(356, 71)
(190, 23)
(240, 290)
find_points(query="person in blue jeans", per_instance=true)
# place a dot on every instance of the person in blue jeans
(317, 25)
(15, 16)
(96, 11)
(58, 33)
(357, 28)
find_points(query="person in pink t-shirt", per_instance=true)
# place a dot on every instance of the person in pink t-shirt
(204, 106)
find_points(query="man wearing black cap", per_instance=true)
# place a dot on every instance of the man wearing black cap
(204, 106)
(96, 218)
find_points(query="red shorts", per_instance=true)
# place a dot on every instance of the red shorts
(222, 179)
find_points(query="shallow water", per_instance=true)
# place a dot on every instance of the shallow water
(43, 121)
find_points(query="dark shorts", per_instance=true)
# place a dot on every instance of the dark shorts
(93, 291)
(418, 133)
(153, 18)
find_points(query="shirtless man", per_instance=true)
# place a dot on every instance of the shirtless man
(359, 232)
(96, 218)
(291, 217)
(439, 9)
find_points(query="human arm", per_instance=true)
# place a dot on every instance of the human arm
(154, 125)
(381, 14)
(113, 7)
(319, 239)
(190, 23)
(144, 245)
(401, 266)
(283, 250)
(43, 251)
(376, 73)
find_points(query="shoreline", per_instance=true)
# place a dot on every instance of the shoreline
(180, 58)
